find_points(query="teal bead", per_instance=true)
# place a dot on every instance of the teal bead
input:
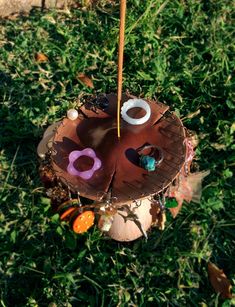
(148, 163)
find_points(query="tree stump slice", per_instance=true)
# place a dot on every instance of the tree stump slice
(120, 171)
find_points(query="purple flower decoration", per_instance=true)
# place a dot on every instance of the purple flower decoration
(74, 155)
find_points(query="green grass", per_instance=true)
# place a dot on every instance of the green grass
(179, 51)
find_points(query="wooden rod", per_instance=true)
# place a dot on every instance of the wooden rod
(120, 61)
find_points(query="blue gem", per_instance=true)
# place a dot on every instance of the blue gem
(148, 163)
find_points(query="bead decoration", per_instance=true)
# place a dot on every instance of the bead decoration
(83, 222)
(72, 114)
(67, 213)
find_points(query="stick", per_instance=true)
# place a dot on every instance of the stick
(120, 61)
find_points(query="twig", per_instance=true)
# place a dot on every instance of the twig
(11, 168)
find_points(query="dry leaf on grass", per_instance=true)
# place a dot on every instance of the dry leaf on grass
(218, 146)
(219, 281)
(188, 188)
(41, 57)
(85, 80)
(191, 115)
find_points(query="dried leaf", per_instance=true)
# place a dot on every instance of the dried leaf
(194, 139)
(41, 57)
(85, 80)
(232, 128)
(194, 181)
(219, 281)
(192, 115)
(188, 188)
(218, 146)
(50, 19)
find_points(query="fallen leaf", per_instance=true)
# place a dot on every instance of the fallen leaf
(219, 281)
(41, 57)
(50, 19)
(218, 146)
(194, 139)
(194, 181)
(191, 115)
(85, 80)
(27, 71)
(232, 128)
(202, 136)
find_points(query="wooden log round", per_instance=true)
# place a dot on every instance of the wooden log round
(120, 172)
